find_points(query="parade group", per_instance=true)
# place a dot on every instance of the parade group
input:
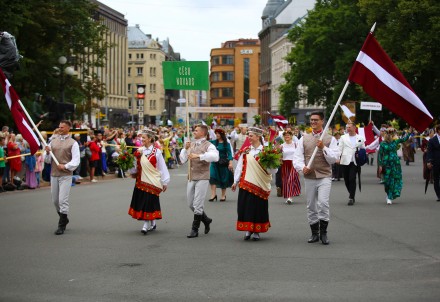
(221, 158)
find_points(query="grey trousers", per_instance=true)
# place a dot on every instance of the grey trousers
(60, 190)
(196, 194)
(318, 195)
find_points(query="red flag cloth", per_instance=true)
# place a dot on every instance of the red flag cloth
(383, 81)
(273, 134)
(367, 133)
(246, 144)
(280, 120)
(18, 114)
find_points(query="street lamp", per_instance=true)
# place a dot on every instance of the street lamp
(61, 71)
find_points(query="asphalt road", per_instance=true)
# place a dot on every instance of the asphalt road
(377, 252)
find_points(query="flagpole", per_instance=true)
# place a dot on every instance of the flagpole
(43, 141)
(328, 122)
(187, 132)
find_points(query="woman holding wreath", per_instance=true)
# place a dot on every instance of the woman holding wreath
(254, 182)
(221, 171)
(152, 178)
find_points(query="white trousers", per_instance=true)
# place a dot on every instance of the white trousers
(196, 195)
(318, 195)
(60, 190)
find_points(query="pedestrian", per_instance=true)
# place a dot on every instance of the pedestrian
(427, 173)
(221, 171)
(389, 164)
(290, 177)
(15, 164)
(317, 178)
(94, 160)
(152, 178)
(66, 151)
(200, 154)
(433, 159)
(408, 151)
(348, 145)
(254, 184)
(30, 162)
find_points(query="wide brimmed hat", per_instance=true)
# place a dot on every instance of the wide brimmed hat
(148, 132)
(256, 131)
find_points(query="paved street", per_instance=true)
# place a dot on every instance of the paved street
(377, 252)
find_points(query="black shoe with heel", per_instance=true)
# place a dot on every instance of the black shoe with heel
(223, 199)
(214, 198)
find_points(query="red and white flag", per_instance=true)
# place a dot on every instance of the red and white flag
(280, 120)
(18, 114)
(367, 133)
(246, 144)
(383, 81)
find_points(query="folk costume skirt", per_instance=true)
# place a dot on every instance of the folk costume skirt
(291, 183)
(253, 213)
(144, 206)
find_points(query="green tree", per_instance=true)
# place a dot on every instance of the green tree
(48, 29)
(325, 47)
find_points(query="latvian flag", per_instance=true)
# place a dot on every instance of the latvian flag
(383, 81)
(280, 120)
(18, 114)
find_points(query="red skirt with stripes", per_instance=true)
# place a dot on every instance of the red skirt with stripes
(291, 183)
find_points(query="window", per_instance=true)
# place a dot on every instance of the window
(129, 88)
(152, 71)
(227, 76)
(129, 103)
(227, 60)
(152, 88)
(152, 104)
(129, 71)
(215, 92)
(227, 92)
(140, 71)
(215, 60)
(215, 76)
(129, 55)
(142, 55)
(137, 56)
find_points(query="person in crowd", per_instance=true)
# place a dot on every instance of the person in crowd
(317, 177)
(408, 150)
(31, 162)
(2, 160)
(94, 160)
(221, 171)
(290, 177)
(389, 164)
(39, 166)
(427, 173)
(200, 154)
(254, 184)
(14, 150)
(66, 151)
(81, 146)
(239, 138)
(348, 145)
(152, 178)
(433, 159)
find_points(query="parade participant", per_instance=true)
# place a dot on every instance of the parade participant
(200, 153)
(66, 151)
(348, 145)
(433, 159)
(239, 138)
(336, 167)
(221, 171)
(389, 164)
(427, 173)
(152, 178)
(317, 178)
(254, 184)
(290, 177)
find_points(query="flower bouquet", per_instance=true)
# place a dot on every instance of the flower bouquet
(125, 159)
(270, 157)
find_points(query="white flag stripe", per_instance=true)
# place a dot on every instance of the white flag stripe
(391, 82)
(8, 94)
(31, 131)
(280, 121)
(347, 111)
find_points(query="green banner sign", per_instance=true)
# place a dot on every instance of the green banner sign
(186, 75)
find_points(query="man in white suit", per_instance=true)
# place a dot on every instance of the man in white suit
(348, 144)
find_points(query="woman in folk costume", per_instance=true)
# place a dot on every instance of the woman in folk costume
(254, 183)
(291, 183)
(389, 164)
(152, 178)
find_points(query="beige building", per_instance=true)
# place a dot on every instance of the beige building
(113, 108)
(144, 68)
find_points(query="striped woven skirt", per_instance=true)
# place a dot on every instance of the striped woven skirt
(291, 183)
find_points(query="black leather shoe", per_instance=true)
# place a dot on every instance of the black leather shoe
(313, 238)
(214, 198)
(324, 239)
(350, 202)
(193, 234)
(60, 231)
(247, 237)
(223, 199)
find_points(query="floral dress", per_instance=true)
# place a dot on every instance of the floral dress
(391, 169)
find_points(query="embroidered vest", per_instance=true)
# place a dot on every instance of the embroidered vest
(320, 167)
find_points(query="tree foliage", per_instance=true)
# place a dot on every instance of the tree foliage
(46, 30)
(328, 41)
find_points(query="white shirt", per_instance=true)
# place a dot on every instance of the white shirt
(289, 149)
(76, 159)
(211, 155)
(254, 152)
(331, 154)
(160, 166)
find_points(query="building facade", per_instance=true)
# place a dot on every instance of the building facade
(144, 69)
(234, 73)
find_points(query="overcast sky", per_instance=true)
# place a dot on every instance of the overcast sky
(194, 27)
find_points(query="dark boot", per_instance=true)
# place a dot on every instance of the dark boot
(206, 221)
(315, 233)
(371, 161)
(62, 224)
(195, 226)
(323, 232)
